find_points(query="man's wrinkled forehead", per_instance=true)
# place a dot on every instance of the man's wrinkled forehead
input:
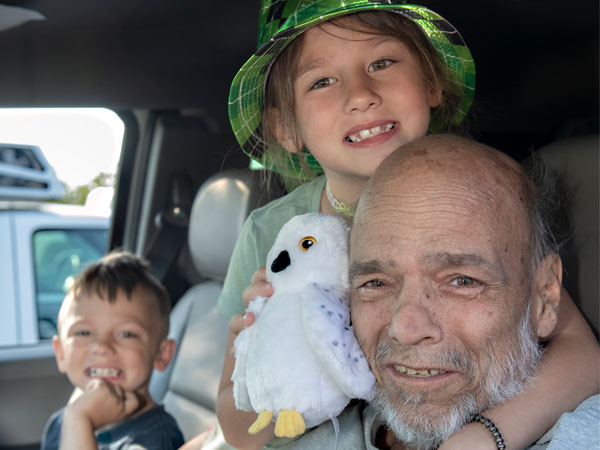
(445, 158)
(445, 175)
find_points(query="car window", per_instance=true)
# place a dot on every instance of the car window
(57, 172)
(59, 255)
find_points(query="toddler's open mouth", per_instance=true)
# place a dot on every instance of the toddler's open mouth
(103, 372)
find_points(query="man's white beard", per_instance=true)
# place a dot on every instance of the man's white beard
(505, 377)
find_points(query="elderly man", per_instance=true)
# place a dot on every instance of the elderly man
(454, 278)
(453, 281)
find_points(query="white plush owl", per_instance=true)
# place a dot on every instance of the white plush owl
(299, 362)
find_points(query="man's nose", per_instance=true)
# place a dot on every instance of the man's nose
(414, 320)
(361, 94)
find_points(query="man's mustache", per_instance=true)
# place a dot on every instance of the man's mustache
(441, 359)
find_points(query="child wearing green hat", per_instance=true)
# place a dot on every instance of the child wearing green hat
(334, 87)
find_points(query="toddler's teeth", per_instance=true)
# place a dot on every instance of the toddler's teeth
(104, 372)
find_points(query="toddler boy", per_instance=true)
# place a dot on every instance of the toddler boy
(112, 331)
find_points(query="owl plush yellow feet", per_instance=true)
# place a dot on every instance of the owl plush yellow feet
(263, 419)
(289, 423)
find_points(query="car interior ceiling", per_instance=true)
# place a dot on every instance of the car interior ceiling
(537, 67)
(166, 67)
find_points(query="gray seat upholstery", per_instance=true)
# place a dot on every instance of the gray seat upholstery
(576, 162)
(188, 389)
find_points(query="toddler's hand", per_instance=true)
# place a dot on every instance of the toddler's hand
(104, 402)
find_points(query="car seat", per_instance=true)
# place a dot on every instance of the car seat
(575, 160)
(188, 389)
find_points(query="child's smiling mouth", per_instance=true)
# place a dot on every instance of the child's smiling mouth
(370, 132)
(103, 372)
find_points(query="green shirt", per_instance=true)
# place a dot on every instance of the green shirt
(358, 424)
(257, 237)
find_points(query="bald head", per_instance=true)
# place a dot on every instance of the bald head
(453, 158)
(459, 175)
(449, 148)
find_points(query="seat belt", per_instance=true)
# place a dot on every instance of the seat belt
(172, 226)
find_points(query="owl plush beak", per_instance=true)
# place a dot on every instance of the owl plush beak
(281, 262)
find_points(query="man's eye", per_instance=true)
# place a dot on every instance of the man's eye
(323, 82)
(463, 281)
(82, 333)
(374, 284)
(380, 64)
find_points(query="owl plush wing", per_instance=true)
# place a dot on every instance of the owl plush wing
(326, 319)
(240, 345)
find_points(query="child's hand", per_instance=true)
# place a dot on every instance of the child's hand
(472, 435)
(103, 402)
(259, 287)
(240, 321)
(235, 423)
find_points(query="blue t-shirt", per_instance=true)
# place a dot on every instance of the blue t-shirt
(153, 429)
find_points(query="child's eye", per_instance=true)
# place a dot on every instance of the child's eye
(380, 64)
(323, 82)
(128, 334)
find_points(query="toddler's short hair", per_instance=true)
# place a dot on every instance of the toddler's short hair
(126, 272)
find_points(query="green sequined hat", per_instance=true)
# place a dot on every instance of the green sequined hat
(280, 21)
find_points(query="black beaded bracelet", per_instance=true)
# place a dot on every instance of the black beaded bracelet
(490, 426)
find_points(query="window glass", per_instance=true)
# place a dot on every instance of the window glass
(59, 255)
(57, 173)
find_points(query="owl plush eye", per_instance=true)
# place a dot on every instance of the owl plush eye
(306, 243)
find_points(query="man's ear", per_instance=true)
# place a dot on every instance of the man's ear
(272, 119)
(59, 354)
(546, 294)
(166, 350)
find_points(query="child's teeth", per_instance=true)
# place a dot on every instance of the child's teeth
(365, 134)
(104, 372)
(368, 133)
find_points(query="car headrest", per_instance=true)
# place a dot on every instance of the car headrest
(576, 162)
(219, 210)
